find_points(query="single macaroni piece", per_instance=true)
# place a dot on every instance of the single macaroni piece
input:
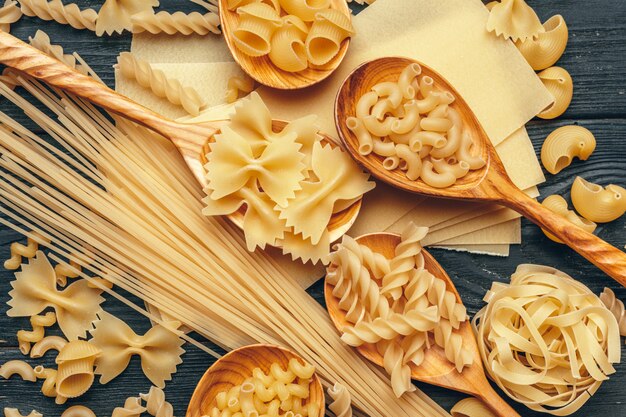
(14, 412)
(156, 405)
(48, 388)
(38, 322)
(471, 407)
(46, 344)
(19, 251)
(329, 29)
(171, 89)
(548, 47)
(17, 367)
(257, 23)
(554, 361)
(115, 15)
(34, 289)
(565, 143)
(287, 47)
(341, 406)
(9, 13)
(617, 308)
(407, 256)
(75, 374)
(513, 19)
(132, 408)
(66, 14)
(596, 203)
(558, 81)
(178, 22)
(558, 205)
(78, 411)
(160, 349)
(236, 86)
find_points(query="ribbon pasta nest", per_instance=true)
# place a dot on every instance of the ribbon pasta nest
(546, 339)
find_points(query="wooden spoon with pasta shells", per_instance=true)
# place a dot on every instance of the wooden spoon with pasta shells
(235, 367)
(490, 183)
(436, 369)
(263, 70)
(190, 139)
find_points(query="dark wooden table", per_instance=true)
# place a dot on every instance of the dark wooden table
(596, 59)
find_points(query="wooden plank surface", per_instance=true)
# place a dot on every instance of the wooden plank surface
(596, 59)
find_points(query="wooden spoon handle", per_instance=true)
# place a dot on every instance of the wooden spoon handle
(23, 57)
(496, 403)
(603, 255)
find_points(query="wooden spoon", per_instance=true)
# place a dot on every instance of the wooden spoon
(491, 183)
(190, 139)
(436, 368)
(235, 367)
(263, 70)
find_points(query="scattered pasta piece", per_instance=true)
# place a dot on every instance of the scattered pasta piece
(238, 86)
(558, 81)
(156, 405)
(14, 412)
(514, 19)
(78, 411)
(115, 15)
(549, 46)
(137, 69)
(132, 408)
(48, 388)
(17, 367)
(341, 406)
(471, 407)
(558, 205)
(46, 344)
(19, 251)
(34, 289)
(178, 22)
(38, 322)
(616, 307)
(546, 339)
(160, 349)
(75, 374)
(9, 13)
(596, 203)
(66, 14)
(565, 143)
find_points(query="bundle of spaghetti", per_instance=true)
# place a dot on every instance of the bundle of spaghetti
(127, 195)
(178, 22)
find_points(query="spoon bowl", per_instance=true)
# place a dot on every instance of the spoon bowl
(489, 183)
(263, 70)
(436, 369)
(235, 367)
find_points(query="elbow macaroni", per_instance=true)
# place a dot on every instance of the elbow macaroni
(597, 203)
(558, 81)
(558, 205)
(565, 143)
(17, 367)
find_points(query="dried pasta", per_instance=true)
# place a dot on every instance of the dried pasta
(616, 307)
(47, 344)
(178, 22)
(75, 373)
(160, 349)
(257, 23)
(407, 255)
(412, 127)
(558, 81)
(9, 13)
(341, 406)
(565, 143)
(14, 412)
(329, 29)
(558, 205)
(514, 19)
(17, 367)
(596, 203)
(549, 46)
(48, 388)
(67, 14)
(546, 339)
(173, 90)
(78, 411)
(34, 289)
(38, 322)
(20, 251)
(115, 15)
(156, 405)
(236, 86)
(287, 47)
(132, 408)
(471, 407)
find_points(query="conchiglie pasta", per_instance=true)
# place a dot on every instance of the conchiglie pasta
(287, 49)
(558, 205)
(75, 373)
(257, 23)
(329, 29)
(558, 81)
(597, 203)
(304, 9)
(547, 48)
(565, 143)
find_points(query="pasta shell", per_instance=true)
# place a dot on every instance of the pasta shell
(304, 9)
(74, 378)
(337, 18)
(558, 205)
(563, 144)
(558, 81)
(77, 349)
(288, 51)
(597, 203)
(514, 19)
(544, 51)
(260, 10)
(329, 29)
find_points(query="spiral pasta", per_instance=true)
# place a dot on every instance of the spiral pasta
(69, 14)
(9, 13)
(396, 367)
(132, 408)
(136, 69)
(565, 143)
(48, 388)
(558, 81)
(597, 203)
(178, 22)
(616, 307)
(17, 367)
(237, 86)
(558, 205)
(407, 257)
(19, 251)
(156, 405)
(547, 48)
(341, 406)
(38, 322)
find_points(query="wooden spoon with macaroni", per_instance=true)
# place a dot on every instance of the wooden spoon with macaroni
(190, 139)
(436, 369)
(490, 183)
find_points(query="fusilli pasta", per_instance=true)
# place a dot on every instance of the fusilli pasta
(38, 322)
(178, 22)
(67, 14)
(9, 13)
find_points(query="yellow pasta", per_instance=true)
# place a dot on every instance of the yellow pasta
(19, 251)
(546, 50)
(558, 81)
(236, 86)
(565, 143)
(14, 412)
(46, 344)
(341, 406)
(596, 203)
(366, 143)
(178, 22)
(257, 23)
(405, 81)
(38, 322)
(558, 205)
(616, 307)
(67, 14)
(75, 373)
(436, 179)
(471, 407)
(132, 408)
(329, 29)
(514, 19)
(458, 169)
(115, 15)
(17, 367)
(9, 13)
(78, 411)
(305, 9)
(287, 49)
(156, 405)
(48, 388)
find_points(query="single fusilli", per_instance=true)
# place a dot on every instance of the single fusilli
(9, 13)
(19, 251)
(342, 401)
(178, 22)
(407, 257)
(156, 405)
(67, 14)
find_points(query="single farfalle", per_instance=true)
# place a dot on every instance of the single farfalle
(253, 121)
(115, 15)
(302, 248)
(513, 19)
(159, 349)
(337, 179)
(34, 290)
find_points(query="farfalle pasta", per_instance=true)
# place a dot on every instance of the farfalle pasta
(413, 127)
(596, 203)
(159, 349)
(558, 81)
(548, 47)
(565, 143)
(513, 19)
(34, 289)
(546, 340)
(558, 205)
(38, 322)
(115, 15)
(9, 13)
